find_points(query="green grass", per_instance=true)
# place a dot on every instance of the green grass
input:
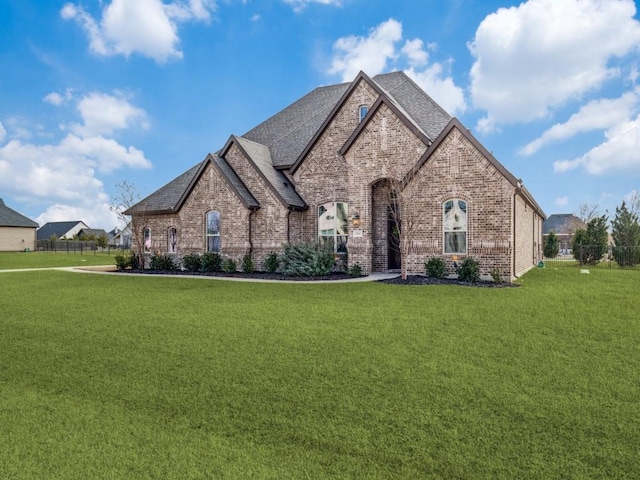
(114, 377)
(13, 260)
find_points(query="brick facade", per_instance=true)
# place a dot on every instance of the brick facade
(354, 162)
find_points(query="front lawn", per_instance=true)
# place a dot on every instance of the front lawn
(13, 260)
(122, 377)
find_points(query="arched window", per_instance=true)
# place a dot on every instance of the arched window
(333, 224)
(146, 234)
(212, 234)
(362, 112)
(172, 240)
(454, 222)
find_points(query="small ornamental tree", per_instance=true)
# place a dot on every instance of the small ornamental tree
(551, 246)
(625, 231)
(590, 244)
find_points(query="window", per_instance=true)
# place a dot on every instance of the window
(146, 233)
(455, 226)
(362, 112)
(213, 231)
(172, 240)
(333, 225)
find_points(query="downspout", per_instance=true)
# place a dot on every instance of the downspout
(514, 234)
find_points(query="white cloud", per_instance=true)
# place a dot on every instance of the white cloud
(56, 99)
(542, 53)
(3, 133)
(147, 27)
(96, 214)
(618, 153)
(379, 51)
(299, 5)
(602, 114)
(562, 201)
(102, 114)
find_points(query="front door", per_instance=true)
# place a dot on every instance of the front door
(393, 243)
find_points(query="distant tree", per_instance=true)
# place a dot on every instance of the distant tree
(588, 211)
(590, 244)
(625, 231)
(634, 203)
(551, 246)
(125, 199)
(102, 241)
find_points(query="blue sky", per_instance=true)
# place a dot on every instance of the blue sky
(94, 92)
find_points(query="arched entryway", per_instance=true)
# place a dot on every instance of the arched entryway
(384, 229)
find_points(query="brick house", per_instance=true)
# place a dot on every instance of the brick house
(321, 169)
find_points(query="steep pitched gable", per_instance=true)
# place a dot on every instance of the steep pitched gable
(260, 158)
(57, 229)
(11, 218)
(171, 197)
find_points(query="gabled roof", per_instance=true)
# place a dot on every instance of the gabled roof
(11, 218)
(170, 197)
(57, 229)
(96, 232)
(260, 156)
(455, 123)
(562, 224)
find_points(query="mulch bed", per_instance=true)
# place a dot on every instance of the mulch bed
(422, 280)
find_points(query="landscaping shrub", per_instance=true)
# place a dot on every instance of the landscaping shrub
(229, 265)
(162, 262)
(591, 244)
(468, 270)
(272, 262)
(192, 262)
(551, 246)
(307, 259)
(355, 270)
(434, 267)
(496, 275)
(124, 260)
(211, 262)
(247, 264)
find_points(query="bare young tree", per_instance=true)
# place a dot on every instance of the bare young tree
(405, 220)
(634, 203)
(126, 198)
(588, 211)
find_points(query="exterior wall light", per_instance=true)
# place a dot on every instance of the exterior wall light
(355, 221)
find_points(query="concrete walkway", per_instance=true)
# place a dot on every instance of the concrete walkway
(110, 270)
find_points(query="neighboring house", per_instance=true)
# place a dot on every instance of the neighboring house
(17, 232)
(564, 226)
(60, 230)
(91, 233)
(120, 238)
(320, 170)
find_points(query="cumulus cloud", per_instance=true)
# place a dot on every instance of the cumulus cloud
(3, 133)
(299, 5)
(542, 53)
(617, 154)
(562, 201)
(147, 27)
(66, 173)
(601, 114)
(380, 50)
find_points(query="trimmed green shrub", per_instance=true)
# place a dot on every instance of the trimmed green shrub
(434, 267)
(551, 246)
(229, 265)
(307, 259)
(162, 262)
(192, 262)
(496, 275)
(355, 270)
(247, 264)
(124, 260)
(211, 262)
(468, 270)
(272, 262)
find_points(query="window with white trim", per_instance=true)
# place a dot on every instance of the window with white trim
(454, 222)
(172, 240)
(146, 237)
(362, 112)
(333, 221)
(213, 231)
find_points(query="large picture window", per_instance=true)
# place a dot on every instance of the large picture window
(172, 240)
(213, 231)
(333, 221)
(455, 226)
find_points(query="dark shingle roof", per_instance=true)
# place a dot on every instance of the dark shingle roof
(11, 218)
(562, 224)
(96, 232)
(57, 229)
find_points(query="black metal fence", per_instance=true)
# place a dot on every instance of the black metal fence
(73, 246)
(597, 256)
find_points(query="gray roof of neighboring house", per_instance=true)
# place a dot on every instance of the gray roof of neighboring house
(562, 224)
(59, 229)
(11, 218)
(278, 142)
(96, 232)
